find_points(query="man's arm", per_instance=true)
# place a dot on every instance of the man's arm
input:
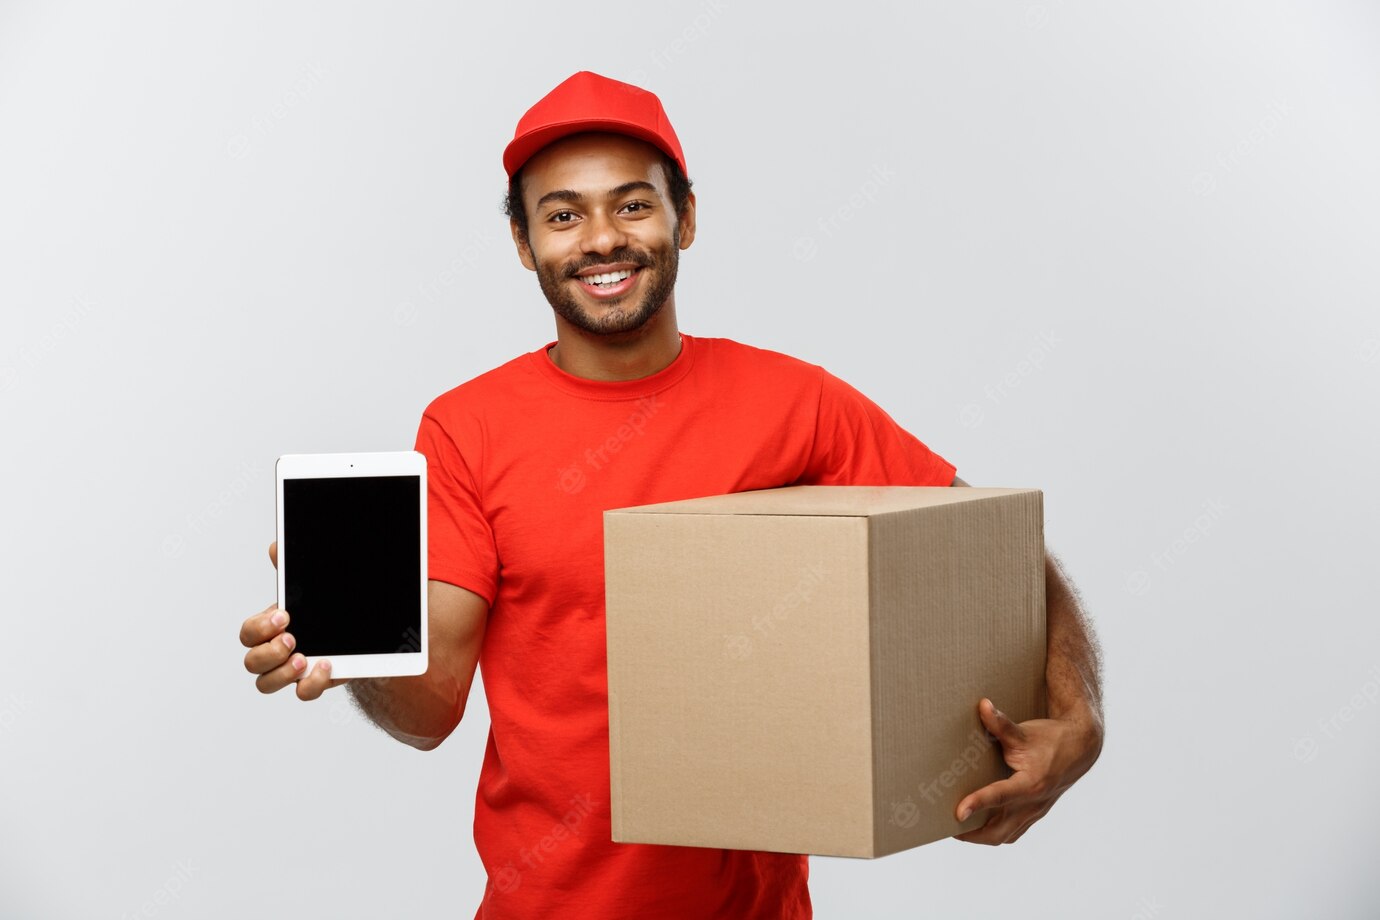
(1048, 755)
(1073, 668)
(423, 710)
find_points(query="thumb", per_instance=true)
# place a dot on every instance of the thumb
(273, 553)
(997, 723)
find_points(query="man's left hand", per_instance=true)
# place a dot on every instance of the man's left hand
(1047, 755)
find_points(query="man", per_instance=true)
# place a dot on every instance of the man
(623, 409)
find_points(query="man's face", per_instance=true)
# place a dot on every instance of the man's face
(599, 205)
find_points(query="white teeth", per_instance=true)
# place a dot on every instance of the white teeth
(607, 277)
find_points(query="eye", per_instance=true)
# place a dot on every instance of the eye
(638, 205)
(556, 217)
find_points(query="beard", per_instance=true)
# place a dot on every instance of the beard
(620, 315)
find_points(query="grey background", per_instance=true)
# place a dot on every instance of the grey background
(1124, 253)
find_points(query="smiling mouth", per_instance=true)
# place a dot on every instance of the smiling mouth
(608, 280)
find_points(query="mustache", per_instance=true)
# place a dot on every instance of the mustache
(640, 259)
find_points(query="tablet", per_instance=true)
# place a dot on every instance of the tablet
(352, 560)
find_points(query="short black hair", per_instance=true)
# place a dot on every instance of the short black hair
(676, 179)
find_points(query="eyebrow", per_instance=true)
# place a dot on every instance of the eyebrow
(573, 197)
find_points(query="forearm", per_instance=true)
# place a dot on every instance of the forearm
(419, 711)
(1073, 667)
(1046, 755)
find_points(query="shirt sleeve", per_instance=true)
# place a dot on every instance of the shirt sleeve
(857, 443)
(460, 541)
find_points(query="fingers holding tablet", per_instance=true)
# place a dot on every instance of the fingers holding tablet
(272, 658)
(262, 627)
(318, 681)
(270, 649)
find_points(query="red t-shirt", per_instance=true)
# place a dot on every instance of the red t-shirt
(522, 462)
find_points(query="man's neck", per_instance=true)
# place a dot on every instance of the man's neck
(641, 354)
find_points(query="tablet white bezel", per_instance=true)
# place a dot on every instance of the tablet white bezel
(356, 465)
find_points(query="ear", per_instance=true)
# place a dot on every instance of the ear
(687, 223)
(524, 248)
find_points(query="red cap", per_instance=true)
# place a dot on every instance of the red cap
(588, 102)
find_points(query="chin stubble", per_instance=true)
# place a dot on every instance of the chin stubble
(617, 318)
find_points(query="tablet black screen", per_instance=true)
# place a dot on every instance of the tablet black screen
(352, 552)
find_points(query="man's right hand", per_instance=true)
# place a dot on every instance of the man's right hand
(271, 654)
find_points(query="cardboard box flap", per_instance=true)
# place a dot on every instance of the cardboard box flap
(821, 501)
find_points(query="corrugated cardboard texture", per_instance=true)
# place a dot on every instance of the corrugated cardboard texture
(717, 743)
(798, 669)
(957, 614)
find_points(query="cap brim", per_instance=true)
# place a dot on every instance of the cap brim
(521, 149)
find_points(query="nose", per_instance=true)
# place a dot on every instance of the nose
(603, 232)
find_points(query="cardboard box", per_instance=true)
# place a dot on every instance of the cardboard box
(798, 669)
